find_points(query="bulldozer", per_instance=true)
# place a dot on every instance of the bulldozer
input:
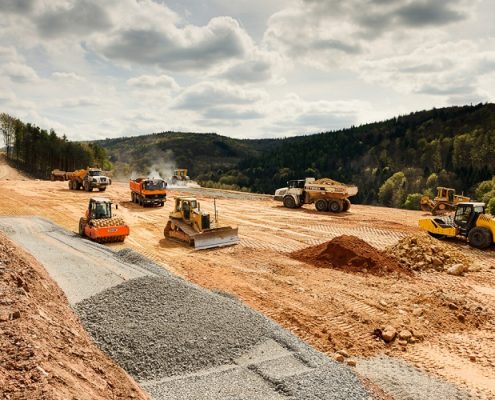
(188, 224)
(444, 202)
(99, 225)
(469, 221)
(180, 175)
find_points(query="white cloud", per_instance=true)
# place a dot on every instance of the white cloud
(19, 73)
(77, 102)
(67, 75)
(153, 82)
(205, 95)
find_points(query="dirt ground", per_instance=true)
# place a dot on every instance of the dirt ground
(451, 317)
(45, 352)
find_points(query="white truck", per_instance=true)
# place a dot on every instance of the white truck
(326, 194)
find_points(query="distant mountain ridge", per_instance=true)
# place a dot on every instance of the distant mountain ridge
(452, 146)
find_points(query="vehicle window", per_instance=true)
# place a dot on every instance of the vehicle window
(193, 204)
(478, 209)
(154, 185)
(462, 215)
(94, 173)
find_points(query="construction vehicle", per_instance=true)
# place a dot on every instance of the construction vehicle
(180, 175)
(148, 192)
(469, 221)
(100, 225)
(58, 175)
(88, 179)
(326, 194)
(188, 224)
(444, 202)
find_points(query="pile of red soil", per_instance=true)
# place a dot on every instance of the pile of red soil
(349, 253)
(44, 351)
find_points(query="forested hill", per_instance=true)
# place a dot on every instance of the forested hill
(389, 160)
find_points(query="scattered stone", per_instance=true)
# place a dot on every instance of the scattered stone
(351, 362)
(389, 333)
(453, 306)
(417, 312)
(383, 303)
(405, 335)
(472, 358)
(421, 252)
(461, 318)
(402, 342)
(456, 269)
(339, 358)
(343, 353)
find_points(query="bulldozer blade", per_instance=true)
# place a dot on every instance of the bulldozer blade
(216, 238)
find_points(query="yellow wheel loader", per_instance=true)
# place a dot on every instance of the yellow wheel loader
(469, 221)
(188, 224)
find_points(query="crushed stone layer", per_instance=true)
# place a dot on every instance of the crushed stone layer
(405, 382)
(160, 327)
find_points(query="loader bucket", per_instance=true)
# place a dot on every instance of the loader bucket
(218, 237)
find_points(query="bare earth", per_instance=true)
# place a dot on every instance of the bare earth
(330, 309)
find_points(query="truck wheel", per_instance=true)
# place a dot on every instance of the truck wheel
(82, 224)
(289, 202)
(321, 205)
(335, 206)
(162, 203)
(70, 185)
(347, 205)
(481, 238)
(102, 189)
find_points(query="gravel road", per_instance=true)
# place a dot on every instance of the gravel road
(178, 340)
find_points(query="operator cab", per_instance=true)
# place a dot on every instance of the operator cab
(186, 205)
(466, 215)
(100, 208)
(296, 184)
(94, 172)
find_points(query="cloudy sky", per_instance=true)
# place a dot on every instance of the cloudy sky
(243, 68)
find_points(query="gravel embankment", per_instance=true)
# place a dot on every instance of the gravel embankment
(184, 342)
(404, 382)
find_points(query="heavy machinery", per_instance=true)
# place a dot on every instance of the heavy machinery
(180, 175)
(187, 223)
(326, 194)
(99, 225)
(444, 202)
(88, 179)
(145, 191)
(469, 221)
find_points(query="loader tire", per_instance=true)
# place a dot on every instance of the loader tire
(335, 206)
(102, 189)
(321, 205)
(289, 202)
(82, 224)
(481, 238)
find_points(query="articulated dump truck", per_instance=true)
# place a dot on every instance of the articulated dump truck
(325, 193)
(87, 179)
(148, 192)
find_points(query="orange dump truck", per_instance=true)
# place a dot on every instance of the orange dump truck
(148, 192)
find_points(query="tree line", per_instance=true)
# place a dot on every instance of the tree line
(393, 162)
(38, 151)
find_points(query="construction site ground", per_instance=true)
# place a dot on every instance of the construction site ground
(329, 309)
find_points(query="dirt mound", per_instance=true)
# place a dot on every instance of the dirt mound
(45, 352)
(348, 253)
(421, 252)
